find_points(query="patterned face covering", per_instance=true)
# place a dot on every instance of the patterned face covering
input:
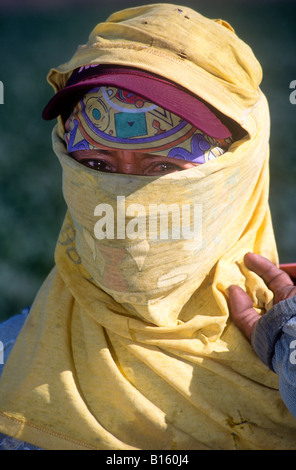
(111, 118)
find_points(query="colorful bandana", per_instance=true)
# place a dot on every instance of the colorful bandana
(112, 118)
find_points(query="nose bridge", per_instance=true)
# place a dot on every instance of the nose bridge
(127, 162)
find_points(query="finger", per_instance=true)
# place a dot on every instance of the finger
(242, 312)
(274, 277)
(284, 293)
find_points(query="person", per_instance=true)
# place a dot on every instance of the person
(273, 336)
(129, 343)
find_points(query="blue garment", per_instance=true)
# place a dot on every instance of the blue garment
(9, 331)
(274, 341)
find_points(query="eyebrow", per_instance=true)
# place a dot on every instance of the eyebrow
(151, 155)
(108, 153)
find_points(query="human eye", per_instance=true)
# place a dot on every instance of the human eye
(98, 164)
(162, 168)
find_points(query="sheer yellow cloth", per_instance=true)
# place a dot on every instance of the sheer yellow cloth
(129, 344)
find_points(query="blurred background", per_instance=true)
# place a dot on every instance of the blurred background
(36, 35)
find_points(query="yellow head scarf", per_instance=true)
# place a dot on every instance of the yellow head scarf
(129, 344)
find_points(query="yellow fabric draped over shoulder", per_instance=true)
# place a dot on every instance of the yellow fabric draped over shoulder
(129, 344)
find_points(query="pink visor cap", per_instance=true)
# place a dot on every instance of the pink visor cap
(151, 87)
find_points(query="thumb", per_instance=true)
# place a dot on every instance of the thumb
(243, 314)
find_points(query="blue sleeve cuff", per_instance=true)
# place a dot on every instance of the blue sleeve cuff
(269, 328)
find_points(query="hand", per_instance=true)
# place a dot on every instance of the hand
(242, 312)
